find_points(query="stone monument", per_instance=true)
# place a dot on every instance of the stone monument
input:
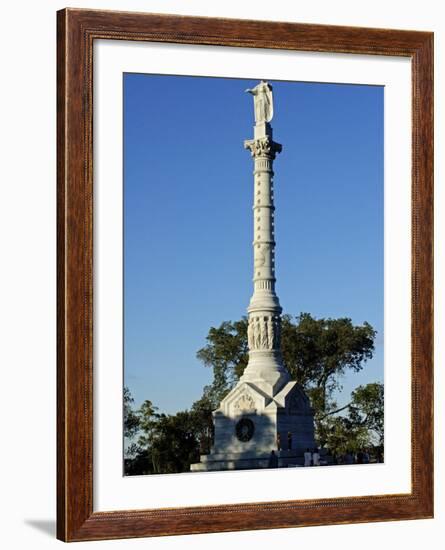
(265, 411)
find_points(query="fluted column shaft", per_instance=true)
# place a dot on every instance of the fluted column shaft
(264, 310)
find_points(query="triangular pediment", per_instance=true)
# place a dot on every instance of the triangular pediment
(244, 398)
(294, 399)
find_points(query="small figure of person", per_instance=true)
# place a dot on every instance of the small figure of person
(307, 458)
(348, 458)
(365, 457)
(360, 457)
(315, 458)
(273, 460)
(289, 441)
(279, 442)
(263, 334)
(323, 460)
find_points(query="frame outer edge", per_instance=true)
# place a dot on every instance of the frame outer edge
(75, 34)
(61, 305)
(423, 269)
(74, 261)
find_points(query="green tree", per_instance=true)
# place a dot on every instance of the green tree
(148, 418)
(319, 352)
(169, 443)
(341, 435)
(131, 419)
(173, 443)
(360, 424)
(316, 352)
(226, 353)
(131, 428)
(203, 423)
(367, 410)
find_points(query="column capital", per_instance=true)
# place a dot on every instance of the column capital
(263, 147)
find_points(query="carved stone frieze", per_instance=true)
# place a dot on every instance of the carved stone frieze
(263, 333)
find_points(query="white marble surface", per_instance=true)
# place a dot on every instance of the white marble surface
(264, 394)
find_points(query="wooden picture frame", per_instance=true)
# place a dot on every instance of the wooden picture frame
(77, 31)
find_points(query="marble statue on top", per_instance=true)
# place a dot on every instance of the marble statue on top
(263, 101)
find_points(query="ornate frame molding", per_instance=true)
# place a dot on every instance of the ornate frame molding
(77, 30)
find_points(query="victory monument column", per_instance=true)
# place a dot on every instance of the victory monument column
(265, 406)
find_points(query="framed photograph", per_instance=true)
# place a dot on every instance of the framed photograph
(245, 229)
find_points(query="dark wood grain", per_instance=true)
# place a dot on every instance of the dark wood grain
(76, 31)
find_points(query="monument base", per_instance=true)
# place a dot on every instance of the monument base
(250, 424)
(213, 463)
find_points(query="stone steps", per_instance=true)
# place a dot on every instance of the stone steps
(220, 462)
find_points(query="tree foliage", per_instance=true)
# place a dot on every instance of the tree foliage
(367, 410)
(361, 424)
(318, 353)
(340, 435)
(168, 443)
(131, 420)
(226, 353)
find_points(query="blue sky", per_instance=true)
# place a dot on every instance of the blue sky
(188, 190)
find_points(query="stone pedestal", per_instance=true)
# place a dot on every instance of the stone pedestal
(265, 411)
(251, 423)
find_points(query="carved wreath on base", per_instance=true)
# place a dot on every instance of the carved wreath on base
(244, 429)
